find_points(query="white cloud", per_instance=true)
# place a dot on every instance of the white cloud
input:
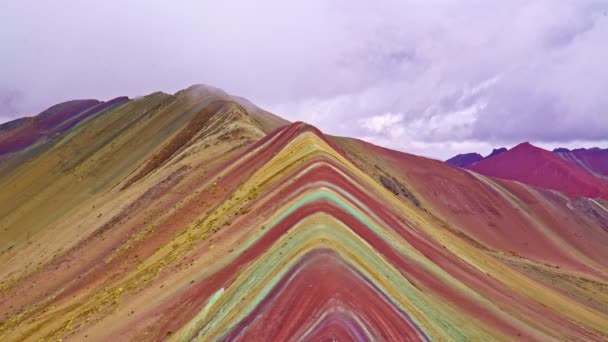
(380, 123)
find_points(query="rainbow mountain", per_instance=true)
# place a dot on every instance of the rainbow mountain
(199, 216)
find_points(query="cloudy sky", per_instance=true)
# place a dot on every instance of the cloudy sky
(432, 77)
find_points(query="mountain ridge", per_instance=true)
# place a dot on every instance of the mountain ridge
(466, 159)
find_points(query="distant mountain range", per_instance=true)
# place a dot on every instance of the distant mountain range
(197, 216)
(580, 172)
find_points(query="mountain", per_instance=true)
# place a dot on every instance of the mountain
(198, 216)
(463, 160)
(496, 152)
(535, 166)
(593, 160)
(22, 133)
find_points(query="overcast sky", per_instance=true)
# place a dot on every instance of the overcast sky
(428, 77)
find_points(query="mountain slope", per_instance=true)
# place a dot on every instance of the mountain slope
(197, 221)
(593, 160)
(535, 166)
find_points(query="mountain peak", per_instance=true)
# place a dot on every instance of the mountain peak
(525, 145)
(465, 159)
(496, 152)
(200, 90)
(529, 149)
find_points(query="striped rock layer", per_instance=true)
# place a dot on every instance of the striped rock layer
(593, 160)
(198, 216)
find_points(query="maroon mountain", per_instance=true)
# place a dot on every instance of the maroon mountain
(535, 166)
